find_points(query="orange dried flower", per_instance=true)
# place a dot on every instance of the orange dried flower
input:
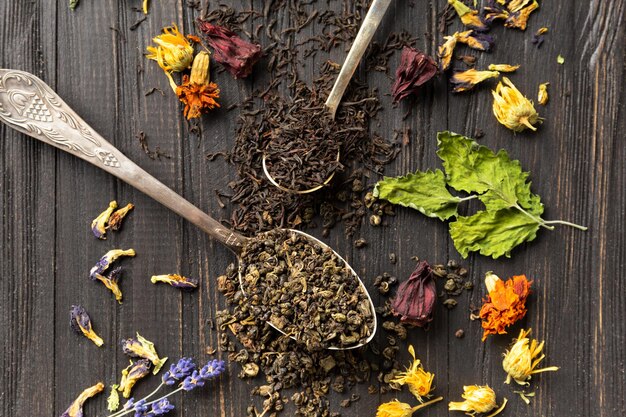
(505, 304)
(197, 93)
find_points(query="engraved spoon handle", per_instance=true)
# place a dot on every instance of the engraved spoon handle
(30, 106)
(361, 42)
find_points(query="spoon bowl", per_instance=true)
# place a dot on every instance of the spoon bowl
(30, 106)
(363, 38)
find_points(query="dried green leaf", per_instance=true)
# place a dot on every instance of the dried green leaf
(422, 191)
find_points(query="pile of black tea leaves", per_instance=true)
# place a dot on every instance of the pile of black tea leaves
(305, 290)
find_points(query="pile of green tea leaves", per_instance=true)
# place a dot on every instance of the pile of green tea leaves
(512, 213)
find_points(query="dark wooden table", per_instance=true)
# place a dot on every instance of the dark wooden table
(96, 63)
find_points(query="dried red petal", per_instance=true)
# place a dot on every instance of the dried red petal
(415, 299)
(235, 54)
(415, 69)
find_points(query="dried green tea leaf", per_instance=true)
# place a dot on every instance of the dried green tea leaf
(492, 233)
(425, 192)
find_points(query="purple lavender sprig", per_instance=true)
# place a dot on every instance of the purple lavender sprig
(188, 377)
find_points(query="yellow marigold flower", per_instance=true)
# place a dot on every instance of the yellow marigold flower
(542, 96)
(521, 360)
(512, 109)
(466, 80)
(445, 51)
(503, 67)
(397, 409)
(173, 52)
(196, 92)
(478, 399)
(418, 380)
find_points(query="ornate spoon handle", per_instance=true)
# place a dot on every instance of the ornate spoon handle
(30, 106)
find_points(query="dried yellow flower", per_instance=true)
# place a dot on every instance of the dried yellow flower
(196, 92)
(173, 52)
(542, 96)
(503, 67)
(418, 380)
(478, 399)
(521, 360)
(445, 51)
(466, 80)
(98, 225)
(520, 12)
(512, 109)
(396, 408)
(469, 17)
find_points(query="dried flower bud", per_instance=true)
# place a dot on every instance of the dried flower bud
(445, 51)
(522, 358)
(81, 324)
(478, 399)
(542, 96)
(143, 348)
(111, 281)
(98, 225)
(502, 67)
(419, 381)
(466, 80)
(76, 408)
(397, 409)
(416, 297)
(475, 40)
(173, 52)
(175, 280)
(512, 109)
(235, 54)
(133, 373)
(415, 69)
(469, 17)
(505, 304)
(196, 92)
(115, 221)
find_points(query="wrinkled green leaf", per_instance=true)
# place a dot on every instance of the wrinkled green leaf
(492, 233)
(422, 191)
(475, 168)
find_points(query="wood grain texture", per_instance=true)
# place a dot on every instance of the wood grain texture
(97, 64)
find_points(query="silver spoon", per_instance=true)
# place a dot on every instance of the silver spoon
(366, 32)
(29, 105)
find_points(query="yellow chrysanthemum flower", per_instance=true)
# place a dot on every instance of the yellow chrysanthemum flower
(512, 109)
(396, 408)
(173, 52)
(521, 360)
(478, 399)
(418, 380)
(542, 96)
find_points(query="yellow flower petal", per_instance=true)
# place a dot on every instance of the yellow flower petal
(512, 109)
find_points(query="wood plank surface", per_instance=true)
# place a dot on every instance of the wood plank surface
(96, 62)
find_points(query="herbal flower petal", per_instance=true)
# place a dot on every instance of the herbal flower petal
(502, 67)
(133, 373)
(108, 258)
(173, 52)
(512, 109)
(143, 348)
(415, 69)
(521, 360)
(212, 369)
(475, 40)
(494, 11)
(193, 381)
(115, 221)
(418, 380)
(397, 409)
(519, 18)
(161, 407)
(445, 51)
(76, 408)
(505, 304)
(99, 223)
(81, 323)
(416, 297)
(198, 98)
(466, 80)
(538, 37)
(542, 96)
(478, 399)
(469, 17)
(181, 369)
(236, 55)
(111, 281)
(175, 280)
